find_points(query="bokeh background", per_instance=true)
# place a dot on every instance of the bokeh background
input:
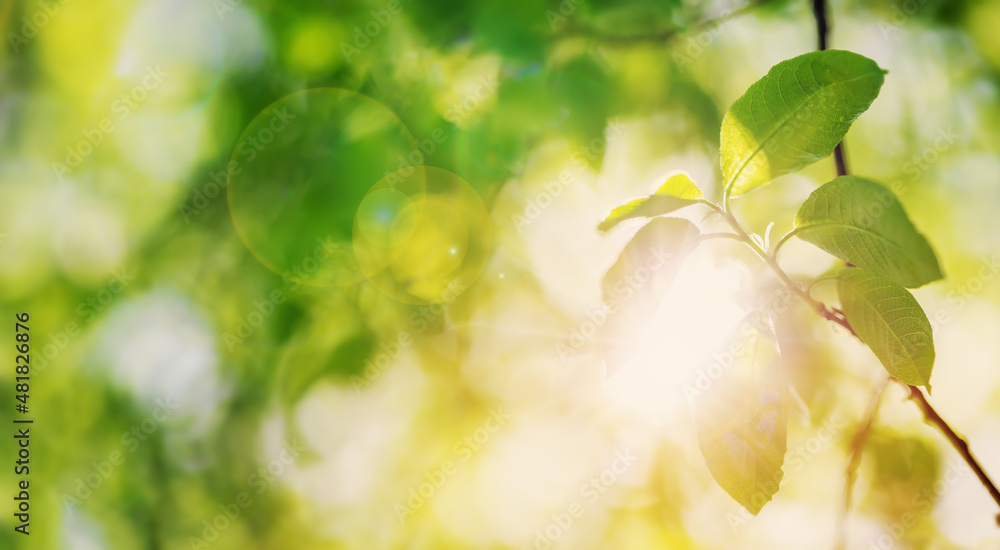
(326, 275)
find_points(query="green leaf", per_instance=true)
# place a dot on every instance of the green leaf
(650, 261)
(740, 418)
(862, 223)
(795, 116)
(890, 320)
(678, 191)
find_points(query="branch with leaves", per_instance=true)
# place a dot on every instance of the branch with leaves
(794, 116)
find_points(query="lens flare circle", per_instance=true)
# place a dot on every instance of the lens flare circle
(300, 173)
(422, 236)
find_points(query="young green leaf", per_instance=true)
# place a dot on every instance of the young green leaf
(794, 116)
(678, 191)
(863, 223)
(741, 420)
(888, 318)
(649, 262)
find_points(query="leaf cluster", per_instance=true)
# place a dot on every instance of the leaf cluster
(792, 117)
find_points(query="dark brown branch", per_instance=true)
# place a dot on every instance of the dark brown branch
(931, 416)
(838, 317)
(823, 33)
(838, 157)
(822, 27)
(957, 441)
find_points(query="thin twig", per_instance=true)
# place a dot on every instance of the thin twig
(957, 441)
(857, 448)
(931, 416)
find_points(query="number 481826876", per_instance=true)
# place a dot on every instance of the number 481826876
(22, 360)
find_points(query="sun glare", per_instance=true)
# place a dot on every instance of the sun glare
(690, 324)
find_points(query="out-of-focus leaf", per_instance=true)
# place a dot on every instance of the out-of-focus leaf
(904, 479)
(678, 191)
(584, 93)
(890, 320)
(862, 223)
(637, 283)
(650, 261)
(741, 420)
(442, 22)
(794, 116)
(633, 18)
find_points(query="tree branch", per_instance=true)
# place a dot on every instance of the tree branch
(822, 28)
(931, 416)
(957, 441)
(823, 33)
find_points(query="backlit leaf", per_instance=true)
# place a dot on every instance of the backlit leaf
(678, 191)
(794, 116)
(740, 418)
(862, 223)
(650, 261)
(890, 320)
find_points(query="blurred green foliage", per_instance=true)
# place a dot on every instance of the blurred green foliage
(509, 94)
